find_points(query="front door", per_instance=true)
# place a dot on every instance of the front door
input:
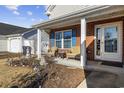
(108, 42)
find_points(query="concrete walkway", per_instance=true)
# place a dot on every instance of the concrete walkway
(100, 79)
(103, 77)
(69, 62)
(93, 67)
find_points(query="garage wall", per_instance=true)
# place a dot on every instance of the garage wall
(3, 45)
(14, 44)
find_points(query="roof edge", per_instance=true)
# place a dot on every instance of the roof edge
(81, 12)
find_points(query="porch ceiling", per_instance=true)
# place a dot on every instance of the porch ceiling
(62, 23)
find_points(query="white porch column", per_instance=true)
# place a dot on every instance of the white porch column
(39, 43)
(83, 42)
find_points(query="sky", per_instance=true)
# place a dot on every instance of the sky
(24, 16)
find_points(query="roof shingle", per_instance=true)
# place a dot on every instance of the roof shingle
(7, 29)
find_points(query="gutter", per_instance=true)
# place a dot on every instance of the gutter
(79, 13)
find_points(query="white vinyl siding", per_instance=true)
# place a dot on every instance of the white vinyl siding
(61, 10)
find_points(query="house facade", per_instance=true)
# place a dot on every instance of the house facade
(93, 32)
(13, 39)
(16, 42)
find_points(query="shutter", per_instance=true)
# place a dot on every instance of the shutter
(52, 36)
(73, 37)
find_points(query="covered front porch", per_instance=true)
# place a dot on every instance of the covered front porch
(87, 21)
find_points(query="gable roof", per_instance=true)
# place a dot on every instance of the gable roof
(7, 29)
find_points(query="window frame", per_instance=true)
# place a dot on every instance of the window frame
(67, 39)
(58, 40)
(62, 41)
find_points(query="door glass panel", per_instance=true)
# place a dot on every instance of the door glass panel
(110, 39)
(98, 41)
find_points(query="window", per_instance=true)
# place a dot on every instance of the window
(110, 39)
(67, 39)
(52, 35)
(59, 39)
(64, 39)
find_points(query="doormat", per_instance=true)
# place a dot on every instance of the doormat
(115, 64)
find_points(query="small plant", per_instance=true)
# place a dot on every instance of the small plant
(30, 62)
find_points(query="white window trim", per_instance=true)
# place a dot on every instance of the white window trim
(62, 31)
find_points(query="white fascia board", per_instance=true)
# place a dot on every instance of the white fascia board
(79, 13)
(13, 35)
(2, 36)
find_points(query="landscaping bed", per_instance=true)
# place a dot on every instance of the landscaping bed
(4, 55)
(60, 76)
(9, 74)
(49, 76)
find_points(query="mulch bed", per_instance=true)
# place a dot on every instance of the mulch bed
(9, 75)
(60, 76)
(51, 76)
